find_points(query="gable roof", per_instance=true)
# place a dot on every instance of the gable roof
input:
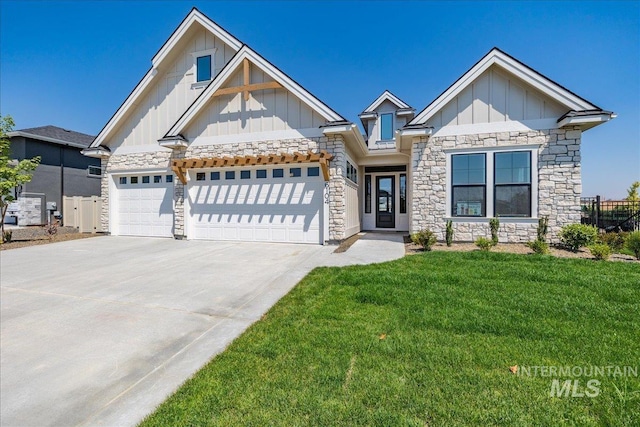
(56, 135)
(507, 62)
(271, 70)
(386, 96)
(194, 17)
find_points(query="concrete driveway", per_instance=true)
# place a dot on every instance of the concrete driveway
(100, 331)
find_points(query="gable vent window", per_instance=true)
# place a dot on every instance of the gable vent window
(203, 64)
(386, 127)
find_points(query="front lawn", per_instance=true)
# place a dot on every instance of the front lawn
(428, 340)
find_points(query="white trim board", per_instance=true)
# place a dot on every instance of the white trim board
(495, 127)
(275, 135)
(386, 96)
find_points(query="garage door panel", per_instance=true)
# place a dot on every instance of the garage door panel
(144, 209)
(275, 209)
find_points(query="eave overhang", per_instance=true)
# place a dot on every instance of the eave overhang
(349, 132)
(99, 152)
(173, 142)
(405, 136)
(44, 138)
(585, 119)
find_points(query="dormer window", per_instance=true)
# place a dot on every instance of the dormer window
(386, 126)
(203, 65)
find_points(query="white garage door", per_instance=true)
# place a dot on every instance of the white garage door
(253, 204)
(144, 205)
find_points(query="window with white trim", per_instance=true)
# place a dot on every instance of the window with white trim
(352, 172)
(95, 171)
(512, 184)
(386, 126)
(468, 189)
(494, 183)
(203, 68)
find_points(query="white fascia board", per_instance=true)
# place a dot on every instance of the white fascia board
(349, 132)
(247, 53)
(415, 132)
(124, 108)
(386, 96)
(581, 120)
(526, 74)
(45, 138)
(194, 16)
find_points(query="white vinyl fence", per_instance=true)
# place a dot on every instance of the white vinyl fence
(82, 213)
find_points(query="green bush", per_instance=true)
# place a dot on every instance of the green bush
(633, 243)
(494, 224)
(614, 240)
(8, 235)
(449, 233)
(600, 251)
(424, 238)
(575, 236)
(538, 246)
(484, 244)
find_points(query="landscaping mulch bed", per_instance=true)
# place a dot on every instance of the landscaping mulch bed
(32, 236)
(513, 248)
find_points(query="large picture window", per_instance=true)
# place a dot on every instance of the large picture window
(469, 184)
(512, 194)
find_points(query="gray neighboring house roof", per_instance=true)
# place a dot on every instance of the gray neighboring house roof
(56, 135)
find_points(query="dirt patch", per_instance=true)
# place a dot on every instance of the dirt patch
(513, 248)
(43, 240)
(346, 243)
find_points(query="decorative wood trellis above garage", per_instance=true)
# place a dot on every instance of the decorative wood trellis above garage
(180, 166)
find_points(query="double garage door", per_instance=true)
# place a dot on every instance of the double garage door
(282, 204)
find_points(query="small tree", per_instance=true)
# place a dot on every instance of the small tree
(632, 192)
(12, 173)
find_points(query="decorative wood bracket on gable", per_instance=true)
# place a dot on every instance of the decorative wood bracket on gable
(247, 86)
(180, 166)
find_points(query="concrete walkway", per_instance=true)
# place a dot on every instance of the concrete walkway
(100, 331)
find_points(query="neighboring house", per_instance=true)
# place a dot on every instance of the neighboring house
(63, 170)
(215, 142)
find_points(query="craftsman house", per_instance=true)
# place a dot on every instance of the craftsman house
(215, 142)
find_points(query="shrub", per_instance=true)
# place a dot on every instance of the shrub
(494, 224)
(424, 238)
(484, 244)
(615, 240)
(575, 236)
(538, 246)
(449, 233)
(543, 228)
(600, 251)
(7, 236)
(633, 243)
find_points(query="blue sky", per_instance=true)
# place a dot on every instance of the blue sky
(71, 64)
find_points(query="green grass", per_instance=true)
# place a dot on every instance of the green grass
(454, 323)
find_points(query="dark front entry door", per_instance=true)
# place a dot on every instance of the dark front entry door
(385, 202)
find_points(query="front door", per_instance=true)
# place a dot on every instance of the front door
(385, 202)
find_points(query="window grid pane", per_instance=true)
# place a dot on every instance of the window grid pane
(469, 200)
(245, 174)
(513, 200)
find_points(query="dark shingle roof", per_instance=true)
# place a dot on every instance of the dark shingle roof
(60, 134)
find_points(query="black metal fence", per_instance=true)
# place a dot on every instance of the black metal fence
(611, 215)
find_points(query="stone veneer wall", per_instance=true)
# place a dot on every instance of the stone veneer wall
(559, 183)
(140, 161)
